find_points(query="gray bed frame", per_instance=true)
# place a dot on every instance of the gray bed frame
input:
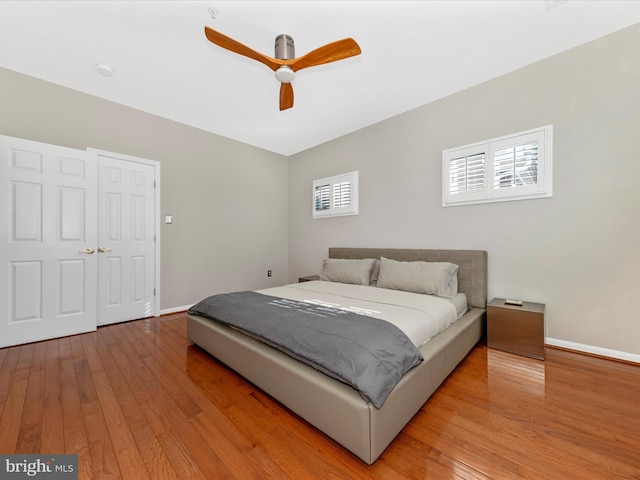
(333, 407)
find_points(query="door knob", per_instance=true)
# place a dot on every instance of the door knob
(88, 251)
(104, 249)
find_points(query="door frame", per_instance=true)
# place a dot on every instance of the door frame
(156, 217)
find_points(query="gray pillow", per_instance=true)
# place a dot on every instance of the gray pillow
(432, 278)
(375, 272)
(347, 271)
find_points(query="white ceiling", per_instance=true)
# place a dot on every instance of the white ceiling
(413, 52)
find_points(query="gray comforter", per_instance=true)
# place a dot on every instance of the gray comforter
(367, 353)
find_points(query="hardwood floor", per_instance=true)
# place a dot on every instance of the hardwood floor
(136, 401)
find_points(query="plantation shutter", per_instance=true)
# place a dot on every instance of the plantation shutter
(342, 195)
(322, 199)
(513, 167)
(467, 174)
(336, 196)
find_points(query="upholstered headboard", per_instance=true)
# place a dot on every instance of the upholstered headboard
(472, 275)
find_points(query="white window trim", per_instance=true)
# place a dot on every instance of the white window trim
(332, 182)
(543, 136)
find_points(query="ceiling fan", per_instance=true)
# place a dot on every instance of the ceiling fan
(285, 64)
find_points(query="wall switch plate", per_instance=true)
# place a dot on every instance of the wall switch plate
(168, 219)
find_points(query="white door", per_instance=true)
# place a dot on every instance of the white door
(126, 240)
(48, 268)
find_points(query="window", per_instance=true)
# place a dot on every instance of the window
(514, 167)
(336, 196)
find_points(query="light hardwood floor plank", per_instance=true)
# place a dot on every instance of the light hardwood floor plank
(31, 430)
(18, 381)
(52, 439)
(75, 434)
(130, 461)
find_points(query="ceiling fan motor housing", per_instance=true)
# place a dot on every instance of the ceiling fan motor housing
(285, 48)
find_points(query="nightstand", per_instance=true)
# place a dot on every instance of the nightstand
(516, 329)
(308, 278)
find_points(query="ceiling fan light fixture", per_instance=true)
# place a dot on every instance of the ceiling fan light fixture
(285, 74)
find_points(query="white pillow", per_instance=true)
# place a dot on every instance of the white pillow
(347, 271)
(432, 278)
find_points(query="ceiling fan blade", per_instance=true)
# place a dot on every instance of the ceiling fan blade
(286, 96)
(237, 47)
(331, 52)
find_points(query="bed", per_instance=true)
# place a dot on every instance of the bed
(334, 407)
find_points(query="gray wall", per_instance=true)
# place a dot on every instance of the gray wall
(577, 252)
(228, 200)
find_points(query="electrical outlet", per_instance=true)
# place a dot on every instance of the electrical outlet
(268, 273)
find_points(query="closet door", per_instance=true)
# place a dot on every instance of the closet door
(126, 239)
(48, 236)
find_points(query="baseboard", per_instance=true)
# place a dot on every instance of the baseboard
(168, 311)
(590, 349)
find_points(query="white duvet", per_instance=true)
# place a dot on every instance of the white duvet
(420, 317)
